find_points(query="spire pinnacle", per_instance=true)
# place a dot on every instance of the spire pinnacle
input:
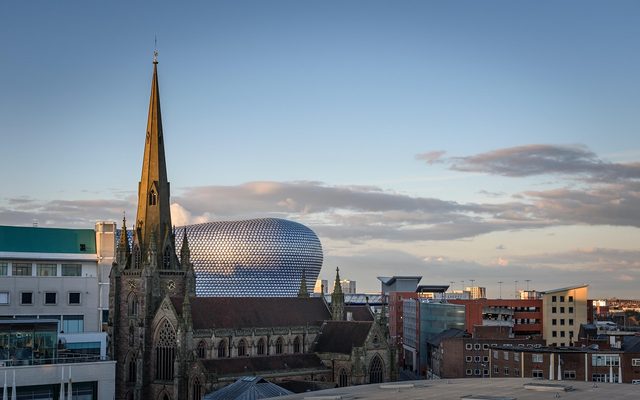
(303, 292)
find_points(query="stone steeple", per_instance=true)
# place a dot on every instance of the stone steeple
(337, 299)
(303, 292)
(153, 219)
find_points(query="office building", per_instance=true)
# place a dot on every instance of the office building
(564, 310)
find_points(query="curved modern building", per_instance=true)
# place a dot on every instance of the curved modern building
(258, 257)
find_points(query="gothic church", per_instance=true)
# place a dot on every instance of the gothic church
(171, 345)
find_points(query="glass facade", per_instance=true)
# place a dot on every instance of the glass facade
(28, 343)
(258, 257)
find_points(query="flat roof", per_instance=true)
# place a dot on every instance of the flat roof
(473, 388)
(564, 289)
(24, 239)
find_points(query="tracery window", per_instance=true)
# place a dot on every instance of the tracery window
(343, 378)
(202, 349)
(375, 370)
(137, 257)
(222, 349)
(165, 351)
(296, 345)
(166, 258)
(261, 347)
(196, 389)
(242, 348)
(131, 369)
(279, 345)
(153, 198)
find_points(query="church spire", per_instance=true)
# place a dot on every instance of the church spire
(303, 292)
(124, 251)
(153, 190)
(337, 299)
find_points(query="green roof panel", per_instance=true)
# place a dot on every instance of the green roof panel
(47, 240)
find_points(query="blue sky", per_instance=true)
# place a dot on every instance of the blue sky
(330, 108)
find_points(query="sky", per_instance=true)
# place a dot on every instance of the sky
(462, 141)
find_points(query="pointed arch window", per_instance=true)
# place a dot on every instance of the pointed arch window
(166, 257)
(261, 347)
(137, 257)
(279, 344)
(165, 351)
(153, 197)
(202, 349)
(132, 305)
(296, 345)
(196, 389)
(375, 370)
(222, 349)
(343, 378)
(242, 348)
(131, 369)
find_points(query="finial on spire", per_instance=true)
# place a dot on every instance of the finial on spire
(155, 49)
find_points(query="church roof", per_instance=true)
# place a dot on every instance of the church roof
(248, 388)
(342, 336)
(359, 313)
(264, 365)
(254, 312)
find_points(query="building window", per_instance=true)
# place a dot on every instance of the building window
(166, 257)
(4, 298)
(468, 358)
(506, 356)
(165, 352)
(3, 268)
(536, 358)
(554, 333)
(279, 345)
(132, 369)
(261, 347)
(554, 322)
(537, 373)
(554, 299)
(516, 372)
(73, 323)
(296, 344)
(562, 334)
(26, 298)
(554, 309)
(50, 298)
(242, 348)
(485, 359)
(71, 269)
(506, 371)
(47, 269)
(496, 370)
(571, 321)
(476, 359)
(485, 346)
(22, 269)
(137, 257)
(635, 362)
(376, 370)
(561, 321)
(516, 356)
(570, 310)
(476, 372)
(469, 372)
(562, 310)
(468, 346)
(202, 349)
(495, 354)
(74, 298)
(132, 305)
(477, 346)
(570, 299)
(569, 375)
(222, 349)
(196, 389)
(343, 378)
(153, 198)
(561, 299)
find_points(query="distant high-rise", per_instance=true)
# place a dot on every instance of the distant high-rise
(476, 292)
(348, 286)
(321, 286)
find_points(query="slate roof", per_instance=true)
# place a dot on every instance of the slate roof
(359, 313)
(262, 365)
(248, 388)
(254, 312)
(342, 336)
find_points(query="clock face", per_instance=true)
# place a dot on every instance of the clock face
(171, 285)
(132, 284)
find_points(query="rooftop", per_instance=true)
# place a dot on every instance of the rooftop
(564, 289)
(474, 388)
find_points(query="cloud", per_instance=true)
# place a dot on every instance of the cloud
(431, 157)
(541, 159)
